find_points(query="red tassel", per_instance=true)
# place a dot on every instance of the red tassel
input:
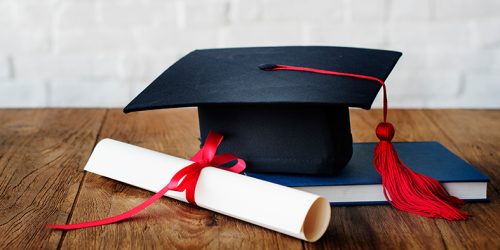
(410, 191)
(404, 189)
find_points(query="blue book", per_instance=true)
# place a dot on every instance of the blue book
(359, 182)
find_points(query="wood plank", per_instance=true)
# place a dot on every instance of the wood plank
(474, 135)
(41, 155)
(167, 223)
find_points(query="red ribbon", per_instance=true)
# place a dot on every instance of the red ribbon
(184, 180)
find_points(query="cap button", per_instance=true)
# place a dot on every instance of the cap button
(385, 131)
(267, 66)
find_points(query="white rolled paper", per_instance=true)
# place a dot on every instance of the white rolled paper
(279, 208)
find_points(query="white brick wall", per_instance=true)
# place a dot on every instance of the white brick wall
(103, 52)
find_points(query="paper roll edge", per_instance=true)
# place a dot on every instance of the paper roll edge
(317, 219)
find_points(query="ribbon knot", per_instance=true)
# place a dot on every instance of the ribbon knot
(184, 180)
(206, 157)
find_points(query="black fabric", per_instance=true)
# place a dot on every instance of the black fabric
(232, 76)
(282, 138)
(277, 121)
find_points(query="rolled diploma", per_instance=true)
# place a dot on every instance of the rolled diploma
(289, 211)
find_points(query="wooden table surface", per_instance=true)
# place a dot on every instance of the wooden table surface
(43, 152)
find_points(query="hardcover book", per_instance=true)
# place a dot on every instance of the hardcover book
(359, 183)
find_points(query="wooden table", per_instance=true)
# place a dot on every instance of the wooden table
(43, 151)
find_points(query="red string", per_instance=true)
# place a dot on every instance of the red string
(185, 179)
(403, 188)
(336, 73)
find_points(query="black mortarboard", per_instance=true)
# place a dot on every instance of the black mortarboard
(284, 121)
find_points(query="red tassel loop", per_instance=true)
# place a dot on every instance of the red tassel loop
(405, 189)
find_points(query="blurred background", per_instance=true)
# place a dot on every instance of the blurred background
(101, 53)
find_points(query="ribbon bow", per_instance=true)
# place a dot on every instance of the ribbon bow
(184, 180)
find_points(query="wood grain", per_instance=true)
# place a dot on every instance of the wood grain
(474, 136)
(42, 153)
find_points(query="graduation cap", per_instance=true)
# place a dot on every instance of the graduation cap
(286, 110)
(282, 122)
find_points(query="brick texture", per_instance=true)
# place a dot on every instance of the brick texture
(101, 53)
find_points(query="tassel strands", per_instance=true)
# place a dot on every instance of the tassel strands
(407, 190)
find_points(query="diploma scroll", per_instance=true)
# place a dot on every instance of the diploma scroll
(296, 213)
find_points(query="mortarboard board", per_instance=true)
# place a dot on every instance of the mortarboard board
(286, 122)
